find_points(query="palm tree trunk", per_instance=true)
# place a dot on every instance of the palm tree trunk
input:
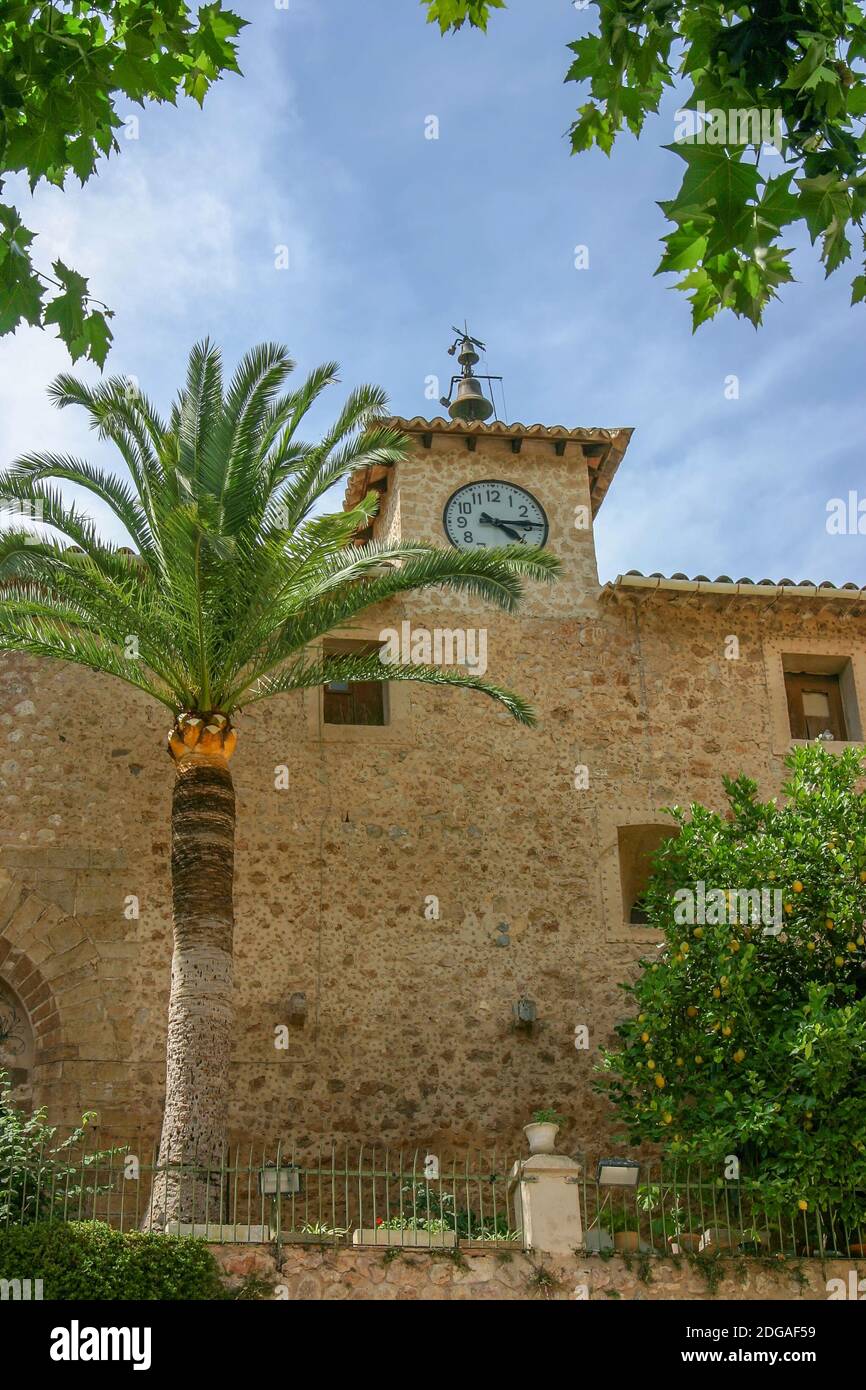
(187, 1185)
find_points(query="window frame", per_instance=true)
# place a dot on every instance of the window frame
(618, 927)
(396, 700)
(342, 647)
(839, 658)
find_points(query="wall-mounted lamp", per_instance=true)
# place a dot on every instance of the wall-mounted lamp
(525, 1014)
(617, 1172)
(296, 1010)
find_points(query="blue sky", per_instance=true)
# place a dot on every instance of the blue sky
(393, 237)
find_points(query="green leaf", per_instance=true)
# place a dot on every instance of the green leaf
(21, 290)
(594, 128)
(716, 178)
(67, 309)
(453, 14)
(684, 249)
(95, 339)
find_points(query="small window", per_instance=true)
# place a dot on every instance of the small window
(354, 702)
(637, 845)
(821, 702)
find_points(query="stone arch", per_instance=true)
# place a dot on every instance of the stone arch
(45, 955)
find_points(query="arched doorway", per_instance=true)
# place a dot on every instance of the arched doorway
(17, 1047)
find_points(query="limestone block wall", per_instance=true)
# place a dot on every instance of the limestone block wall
(308, 1274)
(409, 1033)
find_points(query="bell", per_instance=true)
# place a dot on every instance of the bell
(470, 403)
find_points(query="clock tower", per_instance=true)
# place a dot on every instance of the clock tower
(472, 482)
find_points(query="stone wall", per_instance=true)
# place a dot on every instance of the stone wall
(409, 1037)
(308, 1274)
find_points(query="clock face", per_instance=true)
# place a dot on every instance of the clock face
(491, 513)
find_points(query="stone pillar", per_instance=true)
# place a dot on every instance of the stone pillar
(546, 1195)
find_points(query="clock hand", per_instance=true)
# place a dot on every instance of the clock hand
(503, 526)
(512, 521)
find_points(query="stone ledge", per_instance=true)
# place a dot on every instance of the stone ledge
(311, 1273)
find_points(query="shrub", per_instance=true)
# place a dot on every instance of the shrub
(39, 1177)
(749, 1038)
(87, 1261)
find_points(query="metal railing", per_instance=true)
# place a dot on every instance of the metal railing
(363, 1196)
(682, 1209)
(375, 1196)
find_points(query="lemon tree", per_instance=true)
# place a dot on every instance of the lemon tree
(747, 1035)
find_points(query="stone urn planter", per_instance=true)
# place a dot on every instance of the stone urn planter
(541, 1137)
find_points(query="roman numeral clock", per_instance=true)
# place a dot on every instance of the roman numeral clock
(492, 513)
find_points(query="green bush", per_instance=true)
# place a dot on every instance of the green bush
(749, 1039)
(87, 1261)
(42, 1178)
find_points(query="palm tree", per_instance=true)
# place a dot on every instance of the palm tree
(233, 575)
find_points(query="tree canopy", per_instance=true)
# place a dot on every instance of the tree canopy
(771, 130)
(63, 69)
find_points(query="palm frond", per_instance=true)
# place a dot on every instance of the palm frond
(310, 674)
(236, 572)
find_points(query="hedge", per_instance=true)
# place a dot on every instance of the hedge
(88, 1261)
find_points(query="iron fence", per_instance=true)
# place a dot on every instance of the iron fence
(366, 1196)
(683, 1209)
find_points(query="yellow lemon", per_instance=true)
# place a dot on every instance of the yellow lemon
(644, 1037)
(798, 887)
(691, 1011)
(698, 1061)
(698, 932)
(667, 1117)
(717, 993)
(659, 1080)
(739, 1055)
(803, 1205)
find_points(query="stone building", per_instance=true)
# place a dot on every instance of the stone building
(431, 898)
